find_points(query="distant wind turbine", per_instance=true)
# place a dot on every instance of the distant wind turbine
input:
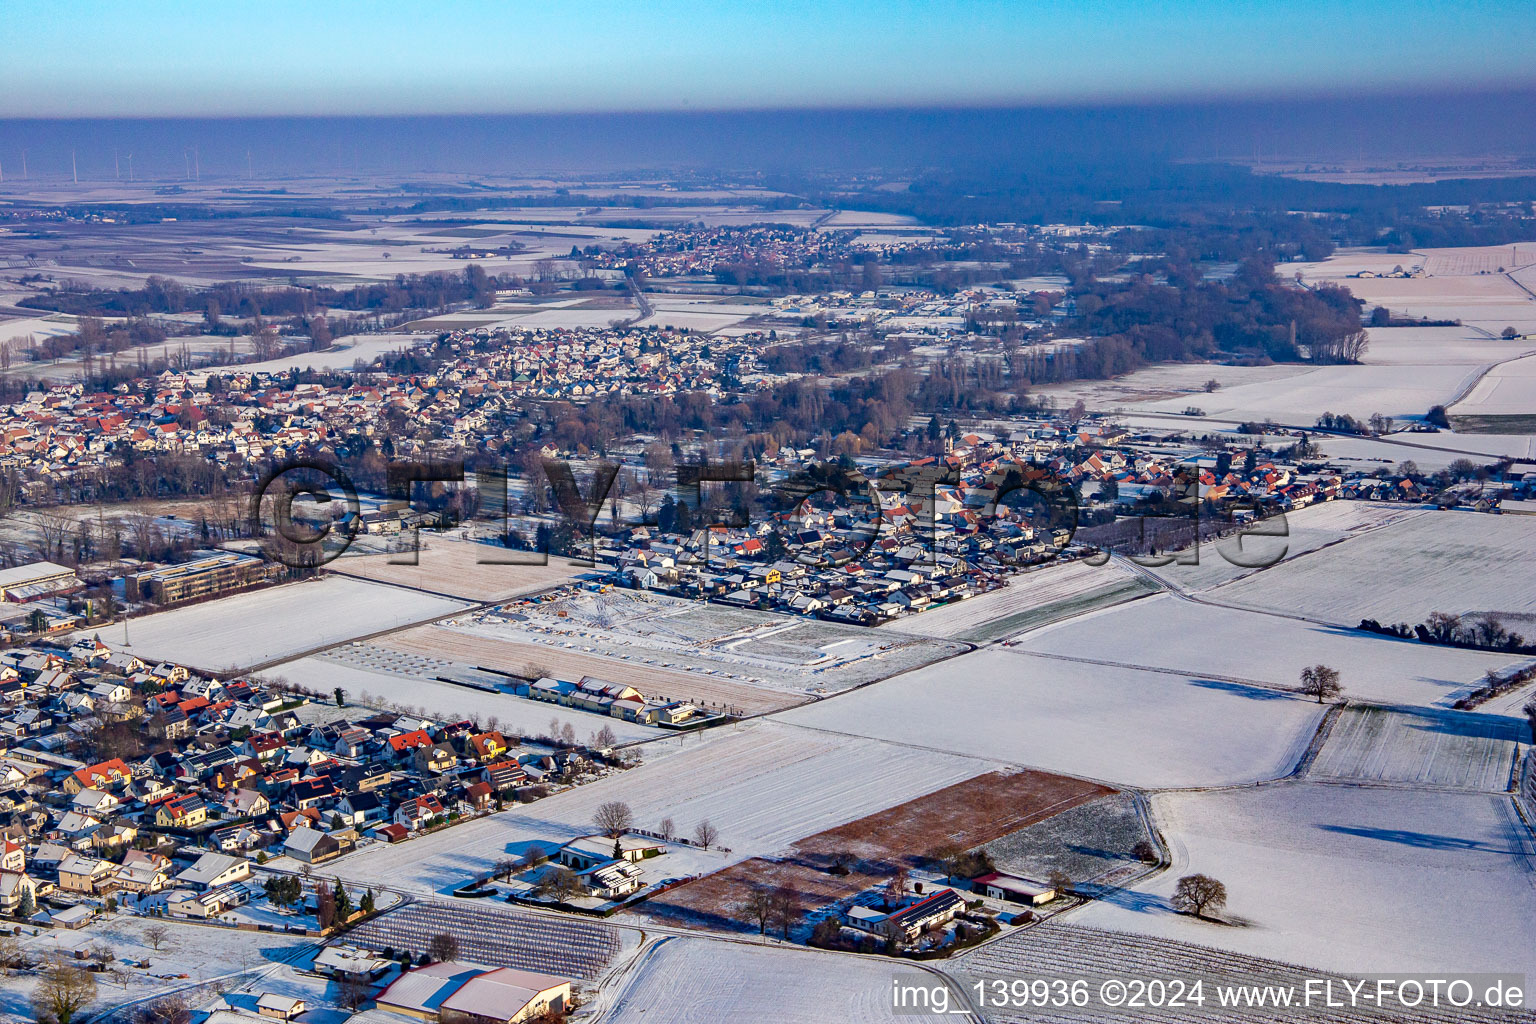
(72, 168)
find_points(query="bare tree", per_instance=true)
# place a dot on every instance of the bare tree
(169, 1009)
(156, 935)
(61, 993)
(560, 884)
(10, 953)
(705, 834)
(896, 888)
(786, 910)
(613, 818)
(604, 738)
(354, 993)
(442, 947)
(1321, 682)
(667, 828)
(1195, 894)
(758, 906)
(1530, 715)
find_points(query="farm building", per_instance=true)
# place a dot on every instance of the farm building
(908, 922)
(37, 580)
(999, 886)
(460, 993)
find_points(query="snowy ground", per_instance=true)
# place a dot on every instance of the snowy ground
(1308, 529)
(448, 702)
(1091, 841)
(1431, 749)
(206, 954)
(264, 625)
(1507, 390)
(342, 354)
(1061, 589)
(781, 652)
(762, 785)
(687, 980)
(1443, 561)
(1346, 878)
(1167, 632)
(1123, 726)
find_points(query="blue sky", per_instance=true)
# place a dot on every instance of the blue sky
(146, 58)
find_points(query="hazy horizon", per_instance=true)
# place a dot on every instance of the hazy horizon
(1353, 130)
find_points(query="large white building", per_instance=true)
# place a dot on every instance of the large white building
(38, 579)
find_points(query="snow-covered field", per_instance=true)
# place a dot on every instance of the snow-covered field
(1468, 284)
(1403, 372)
(341, 355)
(447, 702)
(1000, 612)
(1356, 879)
(1166, 632)
(763, 785)
(1509, 389)
(1443, 561)
(263, 625)
(1395, 390)
(1118, 725)
(1305, 530)
(1437, 749)
(460, 568)
(688, 980)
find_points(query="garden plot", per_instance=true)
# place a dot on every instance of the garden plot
(762, 785)
(758, 649)
(460, 568)
(1028, 598)
(1456, 562)
(1122, 725)
(1432, 749)
(1091, 842)
(1357, 879)
(1240, 646)
(373, 688)
(496, 936)
(687, 980)
(263, 626)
